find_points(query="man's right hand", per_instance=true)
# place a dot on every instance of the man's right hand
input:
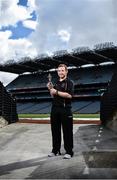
(49, 85)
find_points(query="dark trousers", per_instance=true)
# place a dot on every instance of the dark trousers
(62, 116)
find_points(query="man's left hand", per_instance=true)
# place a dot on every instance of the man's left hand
(53, 91)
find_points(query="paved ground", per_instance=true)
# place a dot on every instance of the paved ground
(24, 149)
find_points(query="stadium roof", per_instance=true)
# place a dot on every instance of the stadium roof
(106, 52)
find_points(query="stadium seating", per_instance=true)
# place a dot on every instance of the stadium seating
(79, 76)
(34, 107)
(32, 95)
(44, 107)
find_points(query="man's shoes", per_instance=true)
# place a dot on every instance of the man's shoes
(67, 156)
(53, 154)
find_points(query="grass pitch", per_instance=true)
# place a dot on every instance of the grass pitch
(48, 115)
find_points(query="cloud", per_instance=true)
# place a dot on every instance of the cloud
(31, 5)
(11, 12)
(30, 24)
(64, 35)
(87, 22)
(14, 48)
(4, 35)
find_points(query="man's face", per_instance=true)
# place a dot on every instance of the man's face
(62, 73)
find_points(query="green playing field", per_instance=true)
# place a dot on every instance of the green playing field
(48, 115)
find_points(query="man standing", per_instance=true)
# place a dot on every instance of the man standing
(61, 113)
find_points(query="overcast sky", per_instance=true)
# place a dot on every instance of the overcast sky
(32, 27)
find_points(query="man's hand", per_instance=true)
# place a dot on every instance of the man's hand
(49, 86)
(53, 91)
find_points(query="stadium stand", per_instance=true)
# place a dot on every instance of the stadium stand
(86, 107)
(88, 75)
(34, 108)
(7, 106)
(32, 91)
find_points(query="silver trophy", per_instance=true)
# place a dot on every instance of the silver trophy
(50, 81)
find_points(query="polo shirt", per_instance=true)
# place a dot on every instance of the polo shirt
(63, 86)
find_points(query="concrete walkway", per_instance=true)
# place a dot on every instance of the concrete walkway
(24, 148)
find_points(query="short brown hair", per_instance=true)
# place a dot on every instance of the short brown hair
(63, 65)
